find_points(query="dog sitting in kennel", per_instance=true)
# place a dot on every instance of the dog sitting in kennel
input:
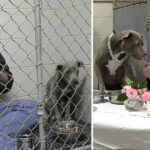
(62, 88)
(63, 93)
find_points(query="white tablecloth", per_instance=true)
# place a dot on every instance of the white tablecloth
(117, 128)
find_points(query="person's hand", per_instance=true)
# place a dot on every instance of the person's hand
(146, 70)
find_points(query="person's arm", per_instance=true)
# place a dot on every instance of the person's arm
(146, 72)
(148, 83)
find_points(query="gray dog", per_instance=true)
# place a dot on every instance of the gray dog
(113, 60)
(63, 91)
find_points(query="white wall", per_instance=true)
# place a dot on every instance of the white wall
(66, 34)
(103, 25)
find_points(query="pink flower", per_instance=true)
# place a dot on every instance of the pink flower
(144, 90)
(145, 96)
(131, 93)
(141, 91)
(125, 88)
(123, 91)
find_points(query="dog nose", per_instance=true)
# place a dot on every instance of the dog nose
(80, 64)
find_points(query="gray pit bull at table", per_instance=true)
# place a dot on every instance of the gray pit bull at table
(112, 62)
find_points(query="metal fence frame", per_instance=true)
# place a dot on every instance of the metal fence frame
(38, 44)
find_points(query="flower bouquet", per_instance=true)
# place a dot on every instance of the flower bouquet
(134, 94)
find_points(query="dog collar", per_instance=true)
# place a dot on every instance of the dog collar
(115, 56)
(115, 63)
(109, 47)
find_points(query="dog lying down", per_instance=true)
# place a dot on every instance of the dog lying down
(112, 62)
(64, 91)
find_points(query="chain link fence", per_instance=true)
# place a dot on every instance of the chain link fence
(46, 48)
(124, 3)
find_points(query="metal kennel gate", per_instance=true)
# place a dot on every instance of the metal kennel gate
(134, 15)
(35, 36)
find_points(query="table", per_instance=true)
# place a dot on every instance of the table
(117, 128)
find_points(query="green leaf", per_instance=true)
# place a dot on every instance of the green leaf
(142, 84)
(128, 81)
(122, 97)
(135, 85)
(139, 85)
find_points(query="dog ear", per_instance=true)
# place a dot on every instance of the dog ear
(142, 37)
(114, 32)
(80, 63)
(126, 35)
(59, 67)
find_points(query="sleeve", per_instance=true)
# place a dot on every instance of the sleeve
(4, 88)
